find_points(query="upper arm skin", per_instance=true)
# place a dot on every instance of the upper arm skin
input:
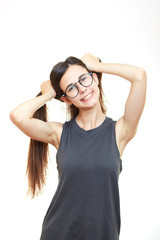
(126, 126)
(49, 132)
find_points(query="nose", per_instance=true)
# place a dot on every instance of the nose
(81, 88)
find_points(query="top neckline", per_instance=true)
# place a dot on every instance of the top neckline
(93, 130)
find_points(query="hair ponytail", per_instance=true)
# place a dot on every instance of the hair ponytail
(37, 158)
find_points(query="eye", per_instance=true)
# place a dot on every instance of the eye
(83, 78)
(71, 88)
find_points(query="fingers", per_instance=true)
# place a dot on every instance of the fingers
(89, 56)
(46, 87)
(90, 61)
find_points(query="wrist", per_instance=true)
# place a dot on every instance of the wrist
(98, 67)
(49, 95)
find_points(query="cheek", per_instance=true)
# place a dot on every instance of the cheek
(96, 89)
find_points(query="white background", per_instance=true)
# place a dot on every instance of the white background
(37, 34)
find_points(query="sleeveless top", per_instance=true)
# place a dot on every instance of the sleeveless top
(86, 204)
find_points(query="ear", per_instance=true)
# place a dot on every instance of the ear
(95, 78)
(66, 100)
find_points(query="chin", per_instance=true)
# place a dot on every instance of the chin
(90, 104)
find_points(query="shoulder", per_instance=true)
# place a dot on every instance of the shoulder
(57, 126)
(116, 128)
(58, 129)
(110, 123)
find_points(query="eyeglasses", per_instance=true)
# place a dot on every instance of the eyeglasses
(72, 89)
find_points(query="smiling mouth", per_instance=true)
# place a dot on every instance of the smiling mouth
(87, 97)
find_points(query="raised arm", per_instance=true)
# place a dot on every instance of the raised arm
(126, 126)
(22, 117)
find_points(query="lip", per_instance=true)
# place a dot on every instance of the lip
(83, 99)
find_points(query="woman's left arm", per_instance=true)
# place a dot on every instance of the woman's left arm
(126, 126)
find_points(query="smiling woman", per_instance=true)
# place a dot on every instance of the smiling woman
(85, 80)
(71, 70)
(81, 98)
(89, 147)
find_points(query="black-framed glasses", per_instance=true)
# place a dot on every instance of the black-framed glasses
(72, 89)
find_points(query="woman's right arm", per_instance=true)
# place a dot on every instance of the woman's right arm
(22, 117)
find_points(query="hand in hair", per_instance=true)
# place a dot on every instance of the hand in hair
(90, 61)
(46, 88)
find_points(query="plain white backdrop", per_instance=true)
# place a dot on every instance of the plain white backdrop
(37, 34)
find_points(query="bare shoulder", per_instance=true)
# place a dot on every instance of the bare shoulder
(56, 134)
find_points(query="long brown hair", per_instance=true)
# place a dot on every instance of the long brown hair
(38, 151)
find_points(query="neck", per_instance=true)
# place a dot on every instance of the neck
(90, 118)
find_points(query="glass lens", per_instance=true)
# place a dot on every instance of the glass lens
(86, 80)
(72, 91)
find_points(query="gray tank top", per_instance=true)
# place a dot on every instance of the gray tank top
(85, 205)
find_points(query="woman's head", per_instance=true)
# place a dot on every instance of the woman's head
(65, 73)
(59, 70)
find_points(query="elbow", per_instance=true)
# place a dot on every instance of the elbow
(15, 117)
(12, 116)
(141, 75)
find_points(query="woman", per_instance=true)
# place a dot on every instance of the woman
(89, 147)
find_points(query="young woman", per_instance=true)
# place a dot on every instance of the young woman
(89, 147)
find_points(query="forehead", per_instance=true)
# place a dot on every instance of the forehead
(71, 75)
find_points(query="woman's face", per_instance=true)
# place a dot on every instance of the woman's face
(88, 97)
